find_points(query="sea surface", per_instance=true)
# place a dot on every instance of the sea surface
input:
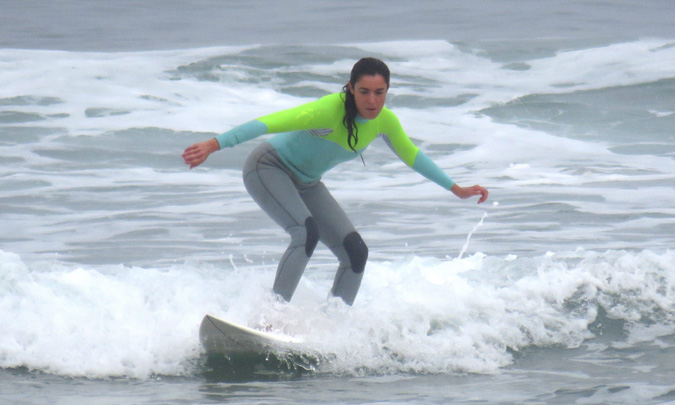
(559, 289)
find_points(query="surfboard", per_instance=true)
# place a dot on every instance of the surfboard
(219, 336)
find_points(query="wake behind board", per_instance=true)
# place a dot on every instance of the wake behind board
(219, 336)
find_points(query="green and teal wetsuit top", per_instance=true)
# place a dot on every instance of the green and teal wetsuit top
(312, 139)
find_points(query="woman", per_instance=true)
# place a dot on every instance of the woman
(283, 175)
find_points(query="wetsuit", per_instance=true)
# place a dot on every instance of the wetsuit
(283, 175)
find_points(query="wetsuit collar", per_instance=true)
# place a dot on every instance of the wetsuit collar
(360, 120)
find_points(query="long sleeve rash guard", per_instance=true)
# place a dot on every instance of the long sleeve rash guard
(312, 139)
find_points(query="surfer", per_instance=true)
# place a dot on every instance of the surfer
(283, 174)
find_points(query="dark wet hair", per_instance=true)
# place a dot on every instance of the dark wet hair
(365, 66)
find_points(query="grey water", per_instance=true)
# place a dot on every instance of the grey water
(111, 250)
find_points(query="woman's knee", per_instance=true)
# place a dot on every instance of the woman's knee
(357, 251)
(312, 236)
(307, 235)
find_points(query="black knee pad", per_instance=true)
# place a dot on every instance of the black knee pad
(357, 251)
(312, 235)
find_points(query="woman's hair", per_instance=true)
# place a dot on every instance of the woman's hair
(365, 66)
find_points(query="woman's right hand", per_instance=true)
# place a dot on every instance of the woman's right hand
(197, 153)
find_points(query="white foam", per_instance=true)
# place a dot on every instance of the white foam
(420, 315)
(149, 94)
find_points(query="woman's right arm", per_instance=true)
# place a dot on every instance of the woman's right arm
(306, 116)
(197, 153)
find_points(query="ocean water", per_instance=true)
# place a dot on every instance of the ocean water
(559, 289)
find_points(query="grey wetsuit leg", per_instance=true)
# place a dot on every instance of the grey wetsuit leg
(275, 189)
(308, 212)
(337, 232)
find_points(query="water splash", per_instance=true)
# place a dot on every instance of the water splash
(468, 237)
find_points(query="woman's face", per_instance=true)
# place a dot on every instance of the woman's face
(369, 93)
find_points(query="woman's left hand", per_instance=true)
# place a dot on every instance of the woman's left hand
(468, 192)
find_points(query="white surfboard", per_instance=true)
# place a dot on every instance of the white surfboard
(219, 336)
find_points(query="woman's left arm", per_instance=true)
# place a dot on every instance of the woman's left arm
(422, 164)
